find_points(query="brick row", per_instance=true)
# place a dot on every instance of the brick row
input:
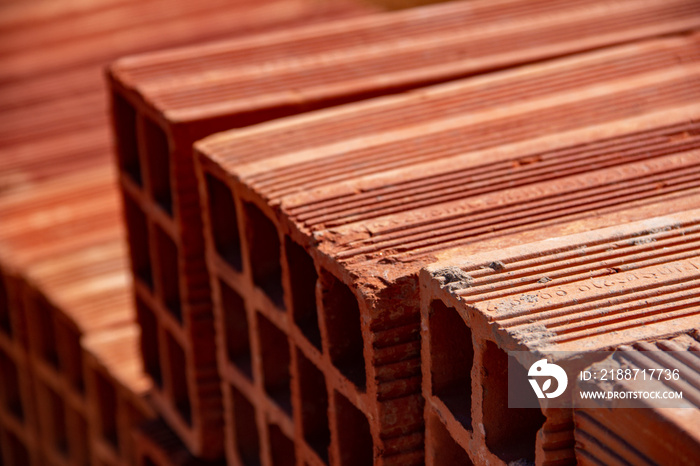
(162, 102)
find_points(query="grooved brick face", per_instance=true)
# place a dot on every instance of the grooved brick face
(632, 435)
(598, 290)
(576, 144)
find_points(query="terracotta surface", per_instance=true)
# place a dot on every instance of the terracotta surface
(622, 435)
(592, 291)
(552, 149)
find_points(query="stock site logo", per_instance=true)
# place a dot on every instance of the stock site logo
(541, 369)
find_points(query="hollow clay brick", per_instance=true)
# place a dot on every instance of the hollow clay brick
(577, 144)
(163, 102)
(53, 102)
(63, 255)
(592, 291)
(619, 434)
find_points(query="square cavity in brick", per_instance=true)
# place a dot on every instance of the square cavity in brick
(451, 359)
(156, 151)
(10, 392)
(70, 354)
(78, 435)
(440, 447)
(139, 242)
(354, 438)
(150, 350)
(302, 280)
(12, 450)
(56, 417)
(237, 332)
(510, 432)
(281, 447)
(106, 409)
(314, 406)
(168, 273)
(224, 222)
(245, 429)
(274, 348)
(5, 323)
(264, 249)
(177, 369)
(341, 314)
(44, 331)
(124, 118)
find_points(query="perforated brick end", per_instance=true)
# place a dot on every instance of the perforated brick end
(587, 292)
(645, 435)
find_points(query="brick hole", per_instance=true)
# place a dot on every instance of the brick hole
(79, 444)
(510, 432)
(17, 452)
(314, 406)
(139, 242)
(354, 437)
(124, 119)
(441, 448)
(5, 323)
(45, 329)
(302, 278)
(177, 365)
(71, 355)
(223, 222)
(245, 429)
(342, 320)
(264, 248)
(10, 391)
(150, 351)
(274, 347)
(237, 338)
(168, 273)
(451, 361)
(107, 409)
(281, 447)
(57, 418)
(157, 154)
(147, 461)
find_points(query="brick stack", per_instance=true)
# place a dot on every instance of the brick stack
(163, 102)
(577, 294)
(333, 229)
(637, 431)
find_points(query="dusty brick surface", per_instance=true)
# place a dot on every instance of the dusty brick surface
(528, 154)
(626, 435)
(592, 291)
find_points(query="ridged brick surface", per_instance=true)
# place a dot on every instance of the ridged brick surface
(582, 293)
(551, 149)
(636, 435)
(162, 102)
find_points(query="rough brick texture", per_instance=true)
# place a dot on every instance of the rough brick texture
(592, 291)
(522, 155)
(642, 435)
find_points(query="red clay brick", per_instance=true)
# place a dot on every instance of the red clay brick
(163, 102)
(157, 445)
(645, 436)
(592, 291)
(576, 144)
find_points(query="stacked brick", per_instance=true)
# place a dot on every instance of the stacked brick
(319, 236)
(631, 433)
(577, 294)
(164, 102)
